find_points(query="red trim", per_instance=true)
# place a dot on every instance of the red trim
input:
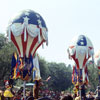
(15, 43)
(71, 47)
(90, 47)
(40, 31)
(85, 60)
(76, 60)
(35, 40)
(24, 43)
(38, 47)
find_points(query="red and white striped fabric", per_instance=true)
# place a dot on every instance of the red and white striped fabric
(28, 47)
(27, 31)
(85, 75)
(80, 50)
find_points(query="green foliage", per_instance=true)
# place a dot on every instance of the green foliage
(2, 40)
(93, 76)
(6, 51)
(59, 72)
(43, 68)
(60, 76)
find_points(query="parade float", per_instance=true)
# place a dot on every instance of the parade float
(27, 31)
(80, 50)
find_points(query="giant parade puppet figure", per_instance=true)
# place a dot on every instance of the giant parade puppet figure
(27, 30)
(80, 50)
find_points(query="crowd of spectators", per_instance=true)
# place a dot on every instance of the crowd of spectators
(49, 95)
(46, 94)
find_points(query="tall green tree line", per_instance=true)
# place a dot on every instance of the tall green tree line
(60, 73)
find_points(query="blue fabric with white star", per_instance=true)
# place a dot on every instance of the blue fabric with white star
(32, 16)
(82, 41)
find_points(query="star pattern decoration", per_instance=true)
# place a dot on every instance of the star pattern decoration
(82, 43)
(38, 16)
(39, 22)
(26, 20)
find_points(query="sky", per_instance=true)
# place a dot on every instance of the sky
(64, 18)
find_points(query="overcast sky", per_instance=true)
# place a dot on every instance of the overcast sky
(64, 19)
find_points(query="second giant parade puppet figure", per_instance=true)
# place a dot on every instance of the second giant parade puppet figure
(80, 50)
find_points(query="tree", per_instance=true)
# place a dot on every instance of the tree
(6, 51)
(93, 76)
(60, 76)
(2, 40)
(43, 68)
